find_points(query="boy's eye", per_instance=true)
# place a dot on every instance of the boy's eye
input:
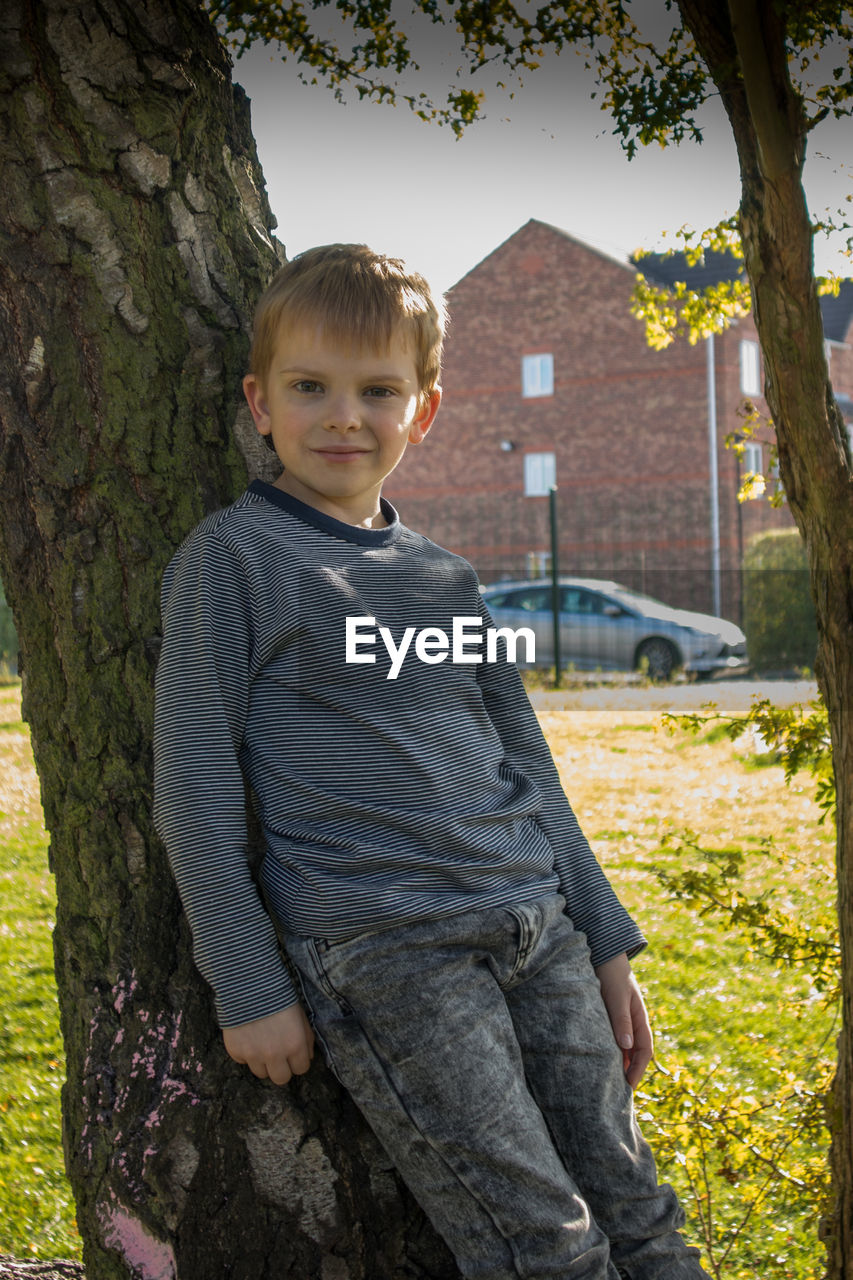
(379, 392)
(306, 385)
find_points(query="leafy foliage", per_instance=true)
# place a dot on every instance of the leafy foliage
(697, 313)
(821, 41)
(747, 1162)
(652, 91)
(712, 881)
(746, 1158)
(652, 84)
(756, 425)
(797, 737)
(734, 1108)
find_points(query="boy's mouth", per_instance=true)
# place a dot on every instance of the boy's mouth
(340, 451)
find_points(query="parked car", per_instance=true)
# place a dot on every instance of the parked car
(608, 627)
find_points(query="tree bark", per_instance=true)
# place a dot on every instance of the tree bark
(742, 43)
(136, 237)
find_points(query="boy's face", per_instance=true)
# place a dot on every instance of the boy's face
(340, 418)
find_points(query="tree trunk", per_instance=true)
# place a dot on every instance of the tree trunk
(136, 238)
(743, 45)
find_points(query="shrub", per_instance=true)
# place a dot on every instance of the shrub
(778, 614)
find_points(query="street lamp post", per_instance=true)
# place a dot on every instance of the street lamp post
(555, 581)
(714, 480)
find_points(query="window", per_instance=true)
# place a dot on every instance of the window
(538, 564)
(576, 600)
(750, 368)
(753, 461)
(537, 376)
(527, 600)
(540, 474)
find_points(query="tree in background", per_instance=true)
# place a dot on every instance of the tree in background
(135, 239)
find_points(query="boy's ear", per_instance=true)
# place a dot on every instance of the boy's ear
(425, 417)
(256, 400)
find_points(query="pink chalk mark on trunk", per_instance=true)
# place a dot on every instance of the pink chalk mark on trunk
(148, 1257)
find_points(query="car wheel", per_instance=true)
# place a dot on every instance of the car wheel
(658, 656)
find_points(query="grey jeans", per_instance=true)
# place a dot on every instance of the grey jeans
(479, 1050)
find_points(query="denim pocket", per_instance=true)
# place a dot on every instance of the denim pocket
(315, 948)
(322, 1003)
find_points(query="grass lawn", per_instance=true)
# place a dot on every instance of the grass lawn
(742, 1044)
(36, 1210)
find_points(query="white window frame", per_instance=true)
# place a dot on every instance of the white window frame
(540, 474)
(750, 367)
(537, 375)
(753, 458)
(538, 564)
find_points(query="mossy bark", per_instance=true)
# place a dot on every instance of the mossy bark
(135, 239)
(743, 44)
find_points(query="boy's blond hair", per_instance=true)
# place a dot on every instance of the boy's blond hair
(357, 296)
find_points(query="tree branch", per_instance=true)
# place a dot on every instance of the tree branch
(777, 119)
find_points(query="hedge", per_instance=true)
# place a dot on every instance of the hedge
(778, 613)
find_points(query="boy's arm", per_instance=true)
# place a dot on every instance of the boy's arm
(199, 794)
(591, 903)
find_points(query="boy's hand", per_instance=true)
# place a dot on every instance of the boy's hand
(623, 1001)
(273, 1048)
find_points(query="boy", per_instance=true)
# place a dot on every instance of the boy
(436, 896)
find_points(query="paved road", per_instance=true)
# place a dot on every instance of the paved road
(732, 696)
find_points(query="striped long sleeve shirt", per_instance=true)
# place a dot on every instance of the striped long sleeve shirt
(398, 770)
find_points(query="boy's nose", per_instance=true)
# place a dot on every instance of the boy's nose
(343, 413)
(342, 417)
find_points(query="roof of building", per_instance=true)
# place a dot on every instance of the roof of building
(557, 231)
(719, 265)
(715, 266)
(838, 312)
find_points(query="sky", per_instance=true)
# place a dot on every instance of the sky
(376, 174)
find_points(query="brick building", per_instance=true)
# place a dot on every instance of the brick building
(548, 376)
